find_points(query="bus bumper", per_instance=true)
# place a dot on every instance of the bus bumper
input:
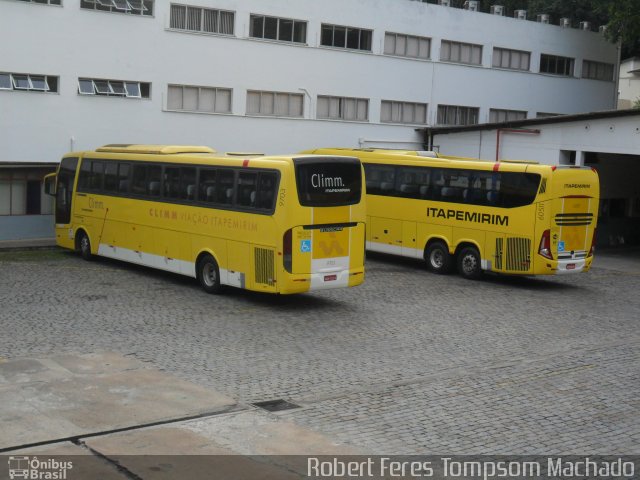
(322, 281)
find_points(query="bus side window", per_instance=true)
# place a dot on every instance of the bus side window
(266, 190)
(172, 182)
(224, 187)
(111, 177)
(139, 180)
(84, 179)
(207, 185)
(246, 189)
(188, 183)
(154, 177)
(123, 177)
(97, 175)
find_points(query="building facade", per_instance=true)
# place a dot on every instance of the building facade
(277, 77)
(629, 83)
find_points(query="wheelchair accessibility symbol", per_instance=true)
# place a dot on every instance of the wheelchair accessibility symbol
(305, 246)
(561, 246)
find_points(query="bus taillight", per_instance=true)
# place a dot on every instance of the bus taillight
(545, 245)
(593, 243)
(286, 250)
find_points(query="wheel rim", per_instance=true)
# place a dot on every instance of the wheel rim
(209, 275)
(436, 258)
(469, 264)
(84, 244)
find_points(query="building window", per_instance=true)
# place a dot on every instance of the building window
(457, 115)
(198, 19)
(403, 112)
(346, 37)
(556, 65)
(458, 52)
(199, 99)
(30, 82)
(281, 29)
(114, 88)
(343, 108)
(511, 59)
(279, 104)
(22, 192)
(498, 115)
(407, 45)
(131, 7)
(597, 70)
(44, 2)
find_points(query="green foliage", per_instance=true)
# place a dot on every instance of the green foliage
(636, 104)
(622, 17)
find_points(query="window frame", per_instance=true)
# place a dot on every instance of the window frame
(295, 22)
(547, 58)
(453, 44)
(342, 108)
(347, 30)
(275, 113)
(510, 51)
(200, 88)
(203, 21)
(230, 173)
(406, 38)
(402, 105)
(111, 91)
(466, 109)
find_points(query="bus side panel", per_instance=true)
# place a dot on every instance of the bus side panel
(238, 264)
(473, 237)
(428, 231)
(386, 235)
(213, 245)
(356, 254)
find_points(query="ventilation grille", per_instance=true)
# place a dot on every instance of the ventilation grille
(574, 219)
(265, 272)
(498, 256)
(518, 254)
(543, 186)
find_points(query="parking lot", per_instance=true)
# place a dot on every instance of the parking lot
(408, 363)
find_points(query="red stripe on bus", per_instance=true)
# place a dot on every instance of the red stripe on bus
(496, 166)
(245, 163)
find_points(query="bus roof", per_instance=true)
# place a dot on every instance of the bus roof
(154, 149)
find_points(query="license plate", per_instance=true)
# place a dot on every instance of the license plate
(329, 278)
(571, 266)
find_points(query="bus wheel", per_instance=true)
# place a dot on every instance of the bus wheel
(209, 274)
(84, 246)
(469, 265)
(438, 258)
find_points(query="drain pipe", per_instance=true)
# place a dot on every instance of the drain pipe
(512, 130)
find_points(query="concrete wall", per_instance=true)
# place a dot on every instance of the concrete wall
(629, 85)
(71, 42)
(620, 135)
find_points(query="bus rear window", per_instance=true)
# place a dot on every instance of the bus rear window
(328, 182)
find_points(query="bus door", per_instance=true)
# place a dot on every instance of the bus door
(64, 198)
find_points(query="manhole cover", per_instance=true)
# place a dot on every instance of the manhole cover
(275, 405)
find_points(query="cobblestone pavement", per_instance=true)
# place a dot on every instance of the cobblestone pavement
(408, 363)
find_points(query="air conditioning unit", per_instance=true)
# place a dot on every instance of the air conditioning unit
(471, 5)
(602, 29)
(496, 10)
(520, 14)
(565, 22)
(585, 26)
(444, 3)
(542, 18)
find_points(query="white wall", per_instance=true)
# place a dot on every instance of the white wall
(629, 84)
(618, 135)
(70, 42)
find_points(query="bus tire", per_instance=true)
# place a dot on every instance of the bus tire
(84, 245)
(438, 258)
(469, 264)
(208, 274)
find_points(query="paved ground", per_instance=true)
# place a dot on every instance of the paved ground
(407, 363)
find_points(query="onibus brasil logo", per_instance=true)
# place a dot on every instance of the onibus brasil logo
(32, 468)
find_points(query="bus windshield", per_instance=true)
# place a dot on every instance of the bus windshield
(328, 182)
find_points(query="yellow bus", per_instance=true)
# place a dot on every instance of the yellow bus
(284, 224)
(506, 217)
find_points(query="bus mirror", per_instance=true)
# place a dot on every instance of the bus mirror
(50, 184)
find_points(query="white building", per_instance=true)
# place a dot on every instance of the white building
(275, 77)
(629, 83)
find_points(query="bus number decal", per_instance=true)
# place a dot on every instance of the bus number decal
(541, 211)
(283, 195)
